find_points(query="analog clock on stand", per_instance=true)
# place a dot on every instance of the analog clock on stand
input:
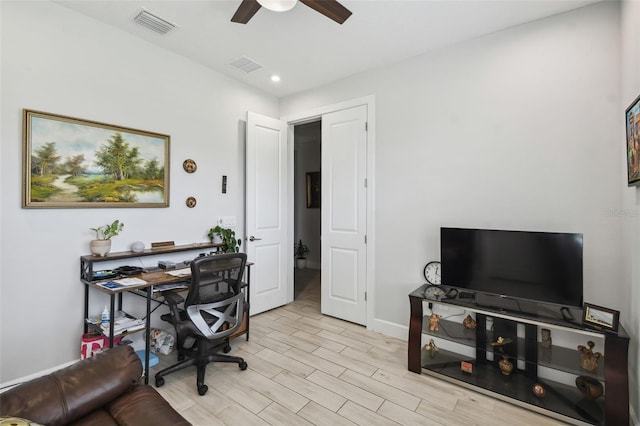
(432, 275)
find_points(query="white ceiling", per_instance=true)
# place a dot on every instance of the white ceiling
(307, 49)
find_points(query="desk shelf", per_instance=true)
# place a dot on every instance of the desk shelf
(87, 261)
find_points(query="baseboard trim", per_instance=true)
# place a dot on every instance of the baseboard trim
(15, 382)
(389, 328)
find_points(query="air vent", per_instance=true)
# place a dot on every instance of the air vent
(246, 64)
(153, 22)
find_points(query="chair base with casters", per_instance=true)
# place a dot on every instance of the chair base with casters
(203, 328)
(200, 358)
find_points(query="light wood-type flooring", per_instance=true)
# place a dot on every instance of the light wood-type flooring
(309, 369)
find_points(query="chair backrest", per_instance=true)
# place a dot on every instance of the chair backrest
(215, 277)
(218, 320)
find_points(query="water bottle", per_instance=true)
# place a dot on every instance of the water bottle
(105, 315)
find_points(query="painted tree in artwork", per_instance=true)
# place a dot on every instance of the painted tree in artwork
(74, 166)
(117, 158)
(152, 170)
(45, 159)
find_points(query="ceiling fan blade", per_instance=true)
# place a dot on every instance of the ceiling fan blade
(329, 8)
(245, 11)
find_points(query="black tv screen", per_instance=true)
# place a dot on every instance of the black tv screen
(538, 266)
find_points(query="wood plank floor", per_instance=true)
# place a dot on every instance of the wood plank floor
(309, 369)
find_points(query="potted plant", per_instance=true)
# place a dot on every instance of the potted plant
(227, 237)
(301, 251)
(102, 244)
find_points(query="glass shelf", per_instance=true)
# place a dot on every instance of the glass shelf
(554, 357)
(559, 398)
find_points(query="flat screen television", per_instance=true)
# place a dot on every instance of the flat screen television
(536, 266)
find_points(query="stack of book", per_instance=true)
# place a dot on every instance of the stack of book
(123, 325)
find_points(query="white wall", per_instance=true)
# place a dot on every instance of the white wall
(515, 130)
(630, 213)
(58, 61)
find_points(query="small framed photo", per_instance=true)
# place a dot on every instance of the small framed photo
(313, 190)
(632, 122)
(600, 317)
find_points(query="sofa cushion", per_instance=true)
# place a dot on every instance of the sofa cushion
(142, 406)
(99, 417)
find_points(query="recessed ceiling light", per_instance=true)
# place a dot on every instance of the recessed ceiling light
(275, 78)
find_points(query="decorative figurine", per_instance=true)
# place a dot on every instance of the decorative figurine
(589, 359)
(434, 322)
(539, 390)
(505, 365)
(431, 348)
(469, 323)
(546, 337)
(501, 341)
(589, 387)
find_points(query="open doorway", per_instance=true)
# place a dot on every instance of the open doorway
(307, 201)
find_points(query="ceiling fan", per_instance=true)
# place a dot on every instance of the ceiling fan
(329, 8)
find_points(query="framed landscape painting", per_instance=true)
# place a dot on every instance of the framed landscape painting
(75, 163)
(632, 120)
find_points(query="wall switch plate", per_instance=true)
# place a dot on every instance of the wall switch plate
(227, 221)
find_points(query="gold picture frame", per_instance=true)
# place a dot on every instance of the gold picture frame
(313, 190)
(75, 163)
(632, 124)
(600, 317)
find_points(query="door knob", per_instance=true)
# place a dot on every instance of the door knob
(252, 238)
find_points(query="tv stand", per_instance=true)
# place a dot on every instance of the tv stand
(561, 401)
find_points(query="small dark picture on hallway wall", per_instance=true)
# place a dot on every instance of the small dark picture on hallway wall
(75, 163)
(632, 119)
(313, 190)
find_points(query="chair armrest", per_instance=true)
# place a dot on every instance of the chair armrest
(173, 300)
(172, 297)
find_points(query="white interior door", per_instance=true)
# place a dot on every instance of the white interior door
(267, 240)
(343, 214)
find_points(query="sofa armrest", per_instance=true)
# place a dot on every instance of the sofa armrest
(72, 392)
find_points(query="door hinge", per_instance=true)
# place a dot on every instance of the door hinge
(365, 238)
(366, 126)
(365, 296)
(365, 182)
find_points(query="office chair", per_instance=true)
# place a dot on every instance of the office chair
(213, 310)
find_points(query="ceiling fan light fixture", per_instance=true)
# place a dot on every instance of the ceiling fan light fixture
(278, 5)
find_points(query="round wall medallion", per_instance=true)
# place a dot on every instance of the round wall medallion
(191, 202)
(189, 166)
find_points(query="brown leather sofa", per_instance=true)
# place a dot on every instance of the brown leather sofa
(102, 390)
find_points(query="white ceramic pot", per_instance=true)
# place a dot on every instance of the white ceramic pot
(301, 263)
(100, 247)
